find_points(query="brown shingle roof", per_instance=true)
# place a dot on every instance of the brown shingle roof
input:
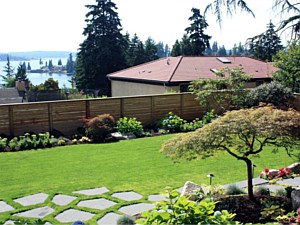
(185, 69)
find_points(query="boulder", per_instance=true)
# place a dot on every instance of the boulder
(295, 168)
(189, 188)
(295, 196)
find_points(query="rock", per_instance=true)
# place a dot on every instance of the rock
(295, 196)
(189, 188)
(118, 136)
(273, 173)
(295, 168)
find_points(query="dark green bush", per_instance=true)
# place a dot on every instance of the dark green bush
(126, 220)
(99, 127)
(130, 125)
(274, 93)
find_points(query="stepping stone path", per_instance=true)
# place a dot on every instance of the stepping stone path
(63, 200)
(37, 213)
(128, 196)
(156, 198)
(109, 219)
(91, 192)
(100, 203)
(136, 208)
(72, 215)
(4, 207)
(32, 199)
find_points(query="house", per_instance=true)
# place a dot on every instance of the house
(173, 74)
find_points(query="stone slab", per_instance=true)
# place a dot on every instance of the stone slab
(9, 222)
(109, 219)
(244, 184)
(91, 192)
(63, 200)
(127, 196)
(295, 182)
(38, 213)
(157, 198)
(135, 209)
(100, 203)
(32, 199)
(4, 207)
(72, 215)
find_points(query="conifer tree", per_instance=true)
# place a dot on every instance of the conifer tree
(102, 52)
(199, 39)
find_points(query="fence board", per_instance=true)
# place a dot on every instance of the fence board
(4, 119)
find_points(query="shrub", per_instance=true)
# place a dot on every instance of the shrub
(126, 220)
(233, 189)
(171, 123)
(3, 144)
(280, 193)
(99, 127)
(179, 210)
(274, 93)
(130, 125)
(262, 190)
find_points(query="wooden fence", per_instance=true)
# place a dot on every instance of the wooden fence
(66, 116)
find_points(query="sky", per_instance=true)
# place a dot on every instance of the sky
(57, 25)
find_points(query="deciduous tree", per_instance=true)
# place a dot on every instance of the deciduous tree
(242, 134)
(288, 62)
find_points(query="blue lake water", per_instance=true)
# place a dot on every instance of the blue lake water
(38, 78)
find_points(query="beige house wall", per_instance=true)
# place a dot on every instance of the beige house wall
(125, 88)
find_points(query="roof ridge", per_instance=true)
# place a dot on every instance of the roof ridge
(176, 67)
(143, 64)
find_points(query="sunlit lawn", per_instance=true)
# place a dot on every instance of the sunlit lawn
(126, 165)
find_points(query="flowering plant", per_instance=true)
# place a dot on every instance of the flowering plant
(271, 174)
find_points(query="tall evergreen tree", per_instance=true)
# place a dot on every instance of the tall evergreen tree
(102, 52)
(167, 50)
(265, 45)
(70, 64)
(135, 52)
(186, 46)
(59, 63)
(150, 50)
(160, 50)
(222, 51)
(22, 73)
(215, 48)
(28, 66)
(199, 39)
(9, 78)
(176, 49)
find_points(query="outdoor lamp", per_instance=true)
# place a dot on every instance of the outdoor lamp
(253, 166)
(210, 175)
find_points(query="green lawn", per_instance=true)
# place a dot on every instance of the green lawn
(126, 165)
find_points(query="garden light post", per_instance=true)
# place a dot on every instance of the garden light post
(210, 178)
(253, 167)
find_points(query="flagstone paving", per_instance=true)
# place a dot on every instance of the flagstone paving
(135, 209)
(63, 200)
(295, 182)
(156, 198)
(100, 203)
(127, 196)
(32, 199)
(91, 192)
(37, 213)
(109, 219)
(4, 207)
(72, 215)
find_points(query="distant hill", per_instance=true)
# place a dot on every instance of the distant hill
(3, 57)
(35, 55)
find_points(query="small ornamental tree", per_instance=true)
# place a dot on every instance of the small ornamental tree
(241, 133)
(226, 91)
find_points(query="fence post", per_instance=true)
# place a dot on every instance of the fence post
(11, 121)
(50, 117)
(181, 105)
(121, 107)
(87, 109)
